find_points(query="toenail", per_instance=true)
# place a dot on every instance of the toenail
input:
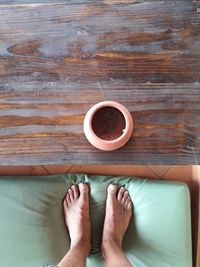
(83, 187)
(112, 188)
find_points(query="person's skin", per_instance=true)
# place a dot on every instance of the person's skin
(76, 211)
(117, 218)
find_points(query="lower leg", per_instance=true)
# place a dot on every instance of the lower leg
(118, 214)
(76, 209)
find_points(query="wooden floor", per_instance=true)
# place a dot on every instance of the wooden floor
(188, 174)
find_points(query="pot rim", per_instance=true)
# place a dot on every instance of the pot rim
(126, 114)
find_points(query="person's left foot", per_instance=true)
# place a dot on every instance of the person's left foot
(117, 217)
(76, 210)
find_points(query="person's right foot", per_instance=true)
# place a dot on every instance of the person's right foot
(117, 218)
(76, 209)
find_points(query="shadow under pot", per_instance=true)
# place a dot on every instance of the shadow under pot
(108, 125)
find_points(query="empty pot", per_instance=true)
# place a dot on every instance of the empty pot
(108, 125)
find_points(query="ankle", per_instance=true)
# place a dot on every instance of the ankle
(114, 254)
(111, 246)
(112, 241)
(82, 246)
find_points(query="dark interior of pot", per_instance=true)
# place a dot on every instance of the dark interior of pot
(108, 123)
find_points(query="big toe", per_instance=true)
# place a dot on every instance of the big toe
(112, 189)
(83, 188)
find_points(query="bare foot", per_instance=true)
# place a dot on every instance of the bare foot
(76, 210)
(117, 218)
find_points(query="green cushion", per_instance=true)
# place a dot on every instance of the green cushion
(33, 233)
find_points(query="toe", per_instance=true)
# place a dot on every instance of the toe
(130, 206)
(71, 194)
(65, 204)
(65, 207)
(83, 188)
(68, 200)
(112, 189)
(124, 198)
(111, 194)
(75, 190)
(120, 193)
(127, 202)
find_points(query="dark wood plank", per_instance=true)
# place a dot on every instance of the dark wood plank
(57, 59)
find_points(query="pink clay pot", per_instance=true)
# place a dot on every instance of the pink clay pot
(108, 125)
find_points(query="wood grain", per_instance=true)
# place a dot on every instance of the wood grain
(57, 59)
